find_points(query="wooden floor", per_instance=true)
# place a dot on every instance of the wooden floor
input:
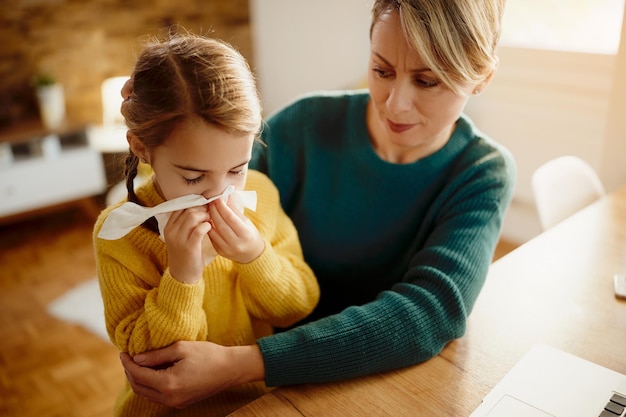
(49, 368)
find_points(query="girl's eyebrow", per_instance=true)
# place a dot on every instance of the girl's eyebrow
(379, 56)
(189, 168)
(193, 169)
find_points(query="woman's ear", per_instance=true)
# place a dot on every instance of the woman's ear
(137, 147)
(485, 82)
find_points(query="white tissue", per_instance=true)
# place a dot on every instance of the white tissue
(131, 215)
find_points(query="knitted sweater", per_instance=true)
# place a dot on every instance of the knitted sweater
(400, 251)
(234, 304)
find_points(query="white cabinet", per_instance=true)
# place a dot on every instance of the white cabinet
(40, 171)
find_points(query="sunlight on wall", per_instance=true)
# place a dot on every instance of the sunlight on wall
(572, 25)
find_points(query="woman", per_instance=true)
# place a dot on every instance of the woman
(398, 200)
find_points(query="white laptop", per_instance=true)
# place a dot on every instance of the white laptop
(548, 382)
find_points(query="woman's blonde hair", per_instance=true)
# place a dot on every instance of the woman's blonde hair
(183, 76)
(456, 39)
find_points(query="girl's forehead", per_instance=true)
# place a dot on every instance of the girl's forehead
(206, 147)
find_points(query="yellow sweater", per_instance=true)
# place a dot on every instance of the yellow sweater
(234, 304)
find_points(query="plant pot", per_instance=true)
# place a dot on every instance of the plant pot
(51, 105)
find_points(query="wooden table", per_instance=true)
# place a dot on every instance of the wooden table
(557, 289)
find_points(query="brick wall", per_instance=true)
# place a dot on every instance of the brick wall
(82, 42)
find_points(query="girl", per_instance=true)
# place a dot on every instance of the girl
(193, 113)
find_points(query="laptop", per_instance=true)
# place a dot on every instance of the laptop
(548, 382)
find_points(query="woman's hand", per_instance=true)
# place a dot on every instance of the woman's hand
(183, 237)
(232, 234)
(187, 372)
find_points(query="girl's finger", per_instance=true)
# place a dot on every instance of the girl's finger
(226, 216)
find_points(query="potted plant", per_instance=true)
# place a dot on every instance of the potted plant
(51, 98)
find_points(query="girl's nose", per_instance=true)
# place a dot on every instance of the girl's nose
(211, 193)
(216, 189)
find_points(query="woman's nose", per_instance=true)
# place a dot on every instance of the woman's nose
(400, 99)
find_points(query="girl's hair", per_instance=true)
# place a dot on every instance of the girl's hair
(455, 39)
(183, 76)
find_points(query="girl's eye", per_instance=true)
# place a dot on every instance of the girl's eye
(238, 171)
(192, 181)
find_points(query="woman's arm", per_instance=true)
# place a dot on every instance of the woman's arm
(416, 317)
(403, 326)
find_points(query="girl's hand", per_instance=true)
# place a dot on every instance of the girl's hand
(232, 234)
(183, 237)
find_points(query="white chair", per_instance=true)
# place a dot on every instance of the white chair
(562, 187)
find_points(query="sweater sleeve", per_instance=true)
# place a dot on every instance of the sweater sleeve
(278, 286)
(145, 308)
(414, 319)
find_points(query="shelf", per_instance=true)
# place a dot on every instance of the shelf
(47, 168)
(49, 146)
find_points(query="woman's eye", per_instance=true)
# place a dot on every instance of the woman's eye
(192, 181)
(426, 82)
(381, 72)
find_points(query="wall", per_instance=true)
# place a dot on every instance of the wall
(83, 42)
(301, 46)
(613, 169)
(542, 104)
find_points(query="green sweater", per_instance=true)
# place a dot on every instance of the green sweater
(401, 251)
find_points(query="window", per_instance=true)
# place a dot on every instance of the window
(575, 25)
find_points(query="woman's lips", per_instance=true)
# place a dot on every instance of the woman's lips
(399, 127)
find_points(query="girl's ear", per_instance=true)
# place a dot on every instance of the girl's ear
(137, 147)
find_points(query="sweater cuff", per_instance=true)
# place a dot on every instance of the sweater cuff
(176, 297)
(266, 261)
(286, 357)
